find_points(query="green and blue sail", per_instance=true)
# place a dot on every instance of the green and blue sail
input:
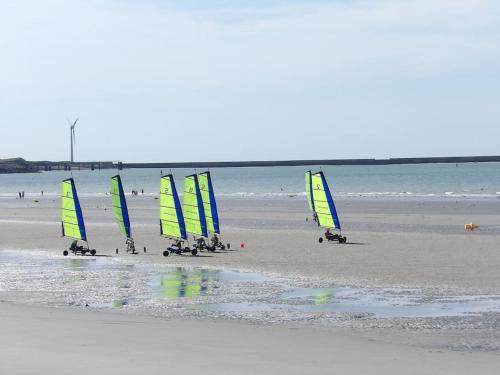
(193, 208)
(172, 223)
(73, 225)
(120, 206)
(209, 202)
(198, 214)
(321, 201)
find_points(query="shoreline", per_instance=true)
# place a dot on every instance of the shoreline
(288, 196)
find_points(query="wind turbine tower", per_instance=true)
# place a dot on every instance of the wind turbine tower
(72, 137)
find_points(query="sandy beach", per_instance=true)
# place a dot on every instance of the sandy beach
(406, 243)
(39, 340)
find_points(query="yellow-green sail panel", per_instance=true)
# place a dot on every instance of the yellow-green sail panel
(308, 190)
(209, 202)
(120, 206)
(322, 202)
(73, 225)
(171, 217)
(194, 212)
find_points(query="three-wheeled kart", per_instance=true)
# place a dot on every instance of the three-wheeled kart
(79, 250)
(216, 244)
(332, 237)
(200, 245)
(178, 248)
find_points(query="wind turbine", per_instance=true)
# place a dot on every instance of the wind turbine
(72, 136)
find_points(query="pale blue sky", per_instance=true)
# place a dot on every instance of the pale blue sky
(249, 80)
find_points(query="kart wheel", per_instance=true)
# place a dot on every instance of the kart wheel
(166, 253)
(92, 252)
(222, 247)
(320, 240)
(194, 252)
(65, 253)
(344, 239)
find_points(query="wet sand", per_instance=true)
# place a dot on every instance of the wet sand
(395, 242)
(38, 340)
(411, 243)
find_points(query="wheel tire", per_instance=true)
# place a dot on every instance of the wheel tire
(223, 247)
(320, 240)
(65, 253)
(93, 252)
(166, 253)
(194, 252)
(344, 240)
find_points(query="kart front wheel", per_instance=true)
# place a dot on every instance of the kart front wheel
(166, 253)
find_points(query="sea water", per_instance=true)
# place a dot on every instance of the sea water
(476, 180)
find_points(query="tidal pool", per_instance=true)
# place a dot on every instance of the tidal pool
(102, 282)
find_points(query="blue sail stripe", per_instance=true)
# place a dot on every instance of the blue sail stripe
(213, 204)
(329, 198)
(78, 209)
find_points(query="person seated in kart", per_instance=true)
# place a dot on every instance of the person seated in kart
(200, 243)
(329, 235)
(215, 240)
(130, 245)
(74, 246)
(178, 244)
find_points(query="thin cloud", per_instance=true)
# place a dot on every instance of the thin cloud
(234, 65)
